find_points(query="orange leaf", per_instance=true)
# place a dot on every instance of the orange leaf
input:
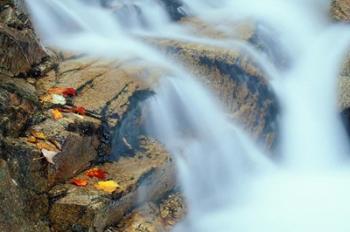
(96, 172)
(56, 114)
(79, 182)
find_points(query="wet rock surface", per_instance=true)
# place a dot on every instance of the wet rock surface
(154, 216)
(37, 193)
(147, 175)
(239, 83)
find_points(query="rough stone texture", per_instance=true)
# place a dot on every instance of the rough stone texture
(18, 103)
(21, 194)
(154, 216)
(147, 175)
(344, 93)
(111, 91)
(78, 147)
(340, 10)
(10, 220)
(20, 50)
(240, 84)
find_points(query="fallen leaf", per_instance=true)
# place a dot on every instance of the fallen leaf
(57, 144)
(70, 92)
(58, 99)
(75, 109)
(31, 139)
(38, 134)
(63, 91)
(96, 172)
(79, 110)
(107, 186)
(56, 114)
(79, 182)
(49, 155)
(47, 146)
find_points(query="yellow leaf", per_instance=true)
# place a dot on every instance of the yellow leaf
(38, 134)
(31, 139)
(107, 186)
(46, 145)
(56, 114)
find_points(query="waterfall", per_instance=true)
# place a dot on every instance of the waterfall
(229, 183)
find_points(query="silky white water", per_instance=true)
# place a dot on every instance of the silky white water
(229, 184)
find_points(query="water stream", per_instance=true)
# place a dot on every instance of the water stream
(229, 183)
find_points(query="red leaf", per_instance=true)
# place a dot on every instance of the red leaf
(79, 182)
(96, 172)
(69, 92)
(63, 91)
(79, 110)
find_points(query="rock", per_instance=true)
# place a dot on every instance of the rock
(111, 91)
(78, 146)
(20, 50)
(17, 106)
(144, 219)
(340, 10)
(344, 94)
(11, 217)
(16, 213)
(147, 175)
(239, 83)
(154, 216)
(175, 9)
(258, 35)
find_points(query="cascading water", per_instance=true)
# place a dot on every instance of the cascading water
(228, 183)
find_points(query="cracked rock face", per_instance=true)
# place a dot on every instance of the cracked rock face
(20, 50)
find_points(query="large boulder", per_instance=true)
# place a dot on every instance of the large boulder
(147, 176)
(239, 83)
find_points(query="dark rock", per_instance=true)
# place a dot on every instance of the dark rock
(18, 104)
(22, 191)
(20, 49)
(175, 9)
